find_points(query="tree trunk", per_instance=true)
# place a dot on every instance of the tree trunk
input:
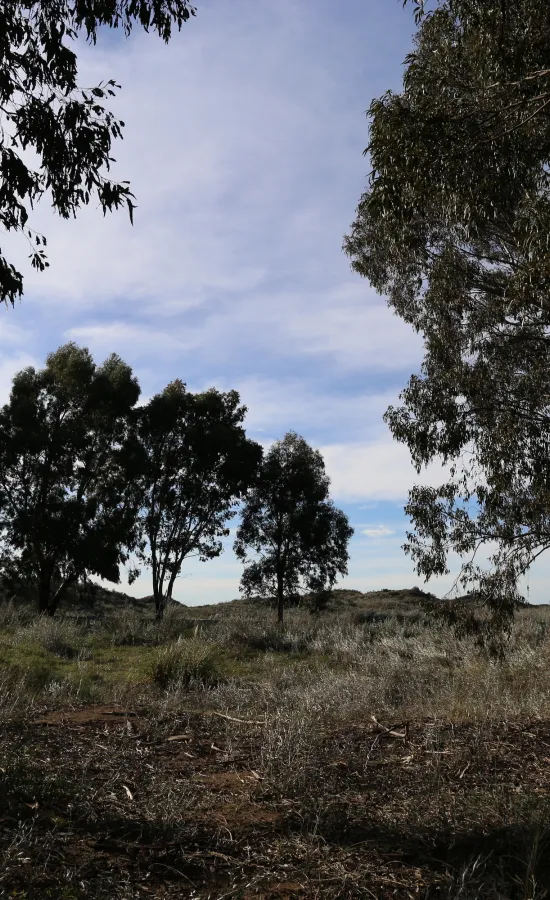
(280, 598)
(160, 605)
(44, 595)
(54, 601)
(171, 584)
(48, 601)
(158, 593)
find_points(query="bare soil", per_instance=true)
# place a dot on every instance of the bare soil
(103, 801)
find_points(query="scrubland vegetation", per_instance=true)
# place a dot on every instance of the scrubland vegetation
(363, 751)
(360, 750)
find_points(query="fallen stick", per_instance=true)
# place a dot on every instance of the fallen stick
(390, 731)
(240, 721)
(220, 715)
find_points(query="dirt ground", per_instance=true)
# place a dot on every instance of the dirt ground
(107, 802)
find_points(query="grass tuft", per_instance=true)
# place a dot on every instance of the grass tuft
(187, 663)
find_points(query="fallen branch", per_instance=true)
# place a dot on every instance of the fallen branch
(240, 721)
(397, 734)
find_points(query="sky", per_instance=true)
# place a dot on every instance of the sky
(243, 143)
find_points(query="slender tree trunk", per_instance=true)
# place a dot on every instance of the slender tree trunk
(158, 591)
(54, 601)
(280, 597)
(160, 603)
(44, 594)
(47, 600)
(171, 584)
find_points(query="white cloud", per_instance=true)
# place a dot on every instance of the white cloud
(346, 329)
(221, 129)
(355, 327)
(275, 407)
(11, 333)
(375, 471)
(243, 148)
(378, 531)
(126, 338)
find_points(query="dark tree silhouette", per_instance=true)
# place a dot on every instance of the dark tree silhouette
(198, 463)
(64, 464)
(291, 536)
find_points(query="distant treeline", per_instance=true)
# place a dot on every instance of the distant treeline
(91, 482)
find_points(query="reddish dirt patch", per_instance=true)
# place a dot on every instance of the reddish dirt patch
(89, 715)
(244, 816)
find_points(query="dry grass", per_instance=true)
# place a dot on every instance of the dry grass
(347, 755)
(186, 663)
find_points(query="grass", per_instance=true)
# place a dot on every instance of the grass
(360, 752)
(188, 662)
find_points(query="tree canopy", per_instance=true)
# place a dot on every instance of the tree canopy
(291, 537)
(198, 463)
(453, 228)
(64, 454)
(89, 481)
(44, 109)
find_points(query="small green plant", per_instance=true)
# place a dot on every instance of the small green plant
(187, 662)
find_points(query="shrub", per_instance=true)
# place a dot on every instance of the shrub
(32, 673)
(188, 662)
(15, 615)
(130, 628)
(255, 631)
(58, 636)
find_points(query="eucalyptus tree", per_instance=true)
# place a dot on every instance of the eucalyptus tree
(291, 538)
(44, 109)
(453, 229)
(65, 457)
(197, 466)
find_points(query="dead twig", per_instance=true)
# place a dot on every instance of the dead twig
(390, 731)
(240, 721)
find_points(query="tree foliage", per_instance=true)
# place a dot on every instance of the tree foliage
(65, 457)
(453, 228)
(291, 536)
(198, 463)
(43, 109)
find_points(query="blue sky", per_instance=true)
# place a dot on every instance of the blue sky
(243, 144)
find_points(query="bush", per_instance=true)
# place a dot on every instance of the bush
(256, 632)
(130, 628)
(15, 615)
(58, 636)
(188, 662)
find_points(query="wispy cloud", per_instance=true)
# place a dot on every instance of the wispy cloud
(381, 470)
(379, 531)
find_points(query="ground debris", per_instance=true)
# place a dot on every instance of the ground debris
(183, 817)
